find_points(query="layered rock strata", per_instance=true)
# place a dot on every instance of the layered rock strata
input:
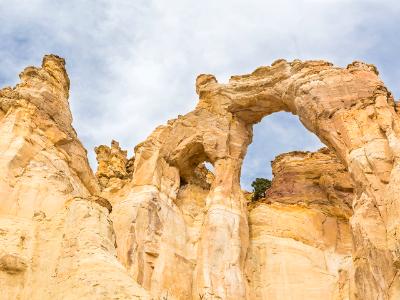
(314, 180)
(180, 233)
(300, 239)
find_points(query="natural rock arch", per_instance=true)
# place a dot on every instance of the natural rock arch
(349, 109)
(47, 188)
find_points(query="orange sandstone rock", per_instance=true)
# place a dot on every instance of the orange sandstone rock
(182, 233)
(300, 239)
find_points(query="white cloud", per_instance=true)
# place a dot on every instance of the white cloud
(133, 63)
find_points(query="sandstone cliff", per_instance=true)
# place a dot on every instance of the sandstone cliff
(56, 237)
(162, 226)
(300, 240)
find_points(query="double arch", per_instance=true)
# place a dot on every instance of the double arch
(348, 109)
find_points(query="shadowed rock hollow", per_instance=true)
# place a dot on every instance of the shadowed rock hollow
(161, 226)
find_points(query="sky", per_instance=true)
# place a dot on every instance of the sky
(133, 63)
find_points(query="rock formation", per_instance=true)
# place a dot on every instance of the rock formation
(314, 180)
(161, 226)
(300, 240)
(114, 168)
(56, 236)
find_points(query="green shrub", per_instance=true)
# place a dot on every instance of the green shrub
(260, 186)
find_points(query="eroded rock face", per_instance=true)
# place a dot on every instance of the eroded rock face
(183, 234)
(42, 162)
(312, 179)
(56, 236)
(114, 169)
(349, 109)
(300, 239)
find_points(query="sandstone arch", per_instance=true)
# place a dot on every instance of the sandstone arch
(179, 234)
(349, 109)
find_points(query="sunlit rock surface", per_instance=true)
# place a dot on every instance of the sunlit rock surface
(162, 226)
(56, 238)
(300, 239)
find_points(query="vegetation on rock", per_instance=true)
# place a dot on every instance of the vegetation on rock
(260, 186)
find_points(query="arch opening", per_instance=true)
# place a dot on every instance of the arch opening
(349, 109)
(303, 216)
(277, 133)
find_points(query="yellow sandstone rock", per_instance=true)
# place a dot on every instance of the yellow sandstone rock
(56, 237)
(161, 226)
(300, 240)
(114, 169)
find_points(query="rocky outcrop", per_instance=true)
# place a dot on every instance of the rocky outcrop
(314, 180)
(300, 239)
(349, 109)
(68, 256)
(42, 162)
(114, 169)
(56, 236)
(182, 233)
